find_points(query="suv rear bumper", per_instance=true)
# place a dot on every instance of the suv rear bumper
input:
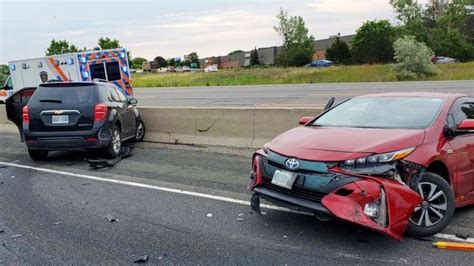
(66, 143)
(97, 137)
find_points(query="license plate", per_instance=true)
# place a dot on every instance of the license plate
(284, 179)
(60, 119)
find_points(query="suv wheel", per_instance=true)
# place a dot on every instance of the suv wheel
(115, 146)
(140, 131)
(38, 155)
(436, 209)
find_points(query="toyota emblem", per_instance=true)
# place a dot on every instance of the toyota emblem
(292, 163)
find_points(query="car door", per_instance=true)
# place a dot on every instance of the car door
(463, 145)
(129, 115)
(121, 106)
(14, 106)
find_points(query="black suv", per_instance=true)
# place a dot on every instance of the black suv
(95, 116)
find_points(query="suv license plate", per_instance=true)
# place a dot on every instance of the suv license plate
(284, 179)
(60, 119)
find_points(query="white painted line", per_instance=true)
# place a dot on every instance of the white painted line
(454, 238)
(189, 193)
(135, 184)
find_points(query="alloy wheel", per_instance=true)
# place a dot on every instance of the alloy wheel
(433, 206)
(116, 142)
(140, 131)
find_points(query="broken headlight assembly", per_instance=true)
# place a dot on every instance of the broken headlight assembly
(378, 164)
(377, 210)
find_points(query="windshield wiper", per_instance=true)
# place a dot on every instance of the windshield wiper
(51, 101)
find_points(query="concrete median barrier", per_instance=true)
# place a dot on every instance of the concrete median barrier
(233, 127)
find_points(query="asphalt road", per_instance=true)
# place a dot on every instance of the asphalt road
(285, 95)
(60, 217)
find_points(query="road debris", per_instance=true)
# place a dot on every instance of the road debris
(110, 218)
(12, 176)
(209, 215)
(465, 237)
(1, 231)
(454, 246)
(141, 259)
(58, 222)
(240, 219)
(16, 236)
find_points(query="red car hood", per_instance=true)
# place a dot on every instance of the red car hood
(337, 144)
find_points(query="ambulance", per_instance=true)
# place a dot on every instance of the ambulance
(109, 65)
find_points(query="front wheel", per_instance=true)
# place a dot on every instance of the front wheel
(140, 134)
(38, 155)
(436, 209)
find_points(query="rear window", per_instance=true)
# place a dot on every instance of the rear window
(64, 95)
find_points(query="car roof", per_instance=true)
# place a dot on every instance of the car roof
(416, 94)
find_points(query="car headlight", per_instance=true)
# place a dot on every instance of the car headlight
(381, 158)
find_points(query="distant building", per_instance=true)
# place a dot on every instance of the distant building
(268, 55)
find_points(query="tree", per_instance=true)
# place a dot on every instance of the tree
(161, 61)
(373, 43)
(452, 43)
(413, 58)
(4, 72)
(339, 52)
(107, 43)
(298, 48)
(172, 62)
(191, 58)
(410, 13)
(236, 52)
(60, 47)
(254, 61)
(137, 62)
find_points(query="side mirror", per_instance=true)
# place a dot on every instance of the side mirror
(132, 101)
(305, 120)
(466, 125)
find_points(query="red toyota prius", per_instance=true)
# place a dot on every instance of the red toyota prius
(391, 162)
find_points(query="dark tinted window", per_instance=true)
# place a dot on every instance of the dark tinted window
(383, 112)
(97, 71)
(121, 95)
(113, 71)
(64, 95)
(114, 95)
(464, 111)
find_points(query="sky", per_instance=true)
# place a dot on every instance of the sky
(172, 28)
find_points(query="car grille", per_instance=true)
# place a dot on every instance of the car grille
(295, 191)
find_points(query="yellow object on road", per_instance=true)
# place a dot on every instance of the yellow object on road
(454, 246)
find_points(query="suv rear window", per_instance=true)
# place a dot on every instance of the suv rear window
(83, 94)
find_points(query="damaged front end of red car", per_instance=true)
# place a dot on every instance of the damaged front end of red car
(379, 196)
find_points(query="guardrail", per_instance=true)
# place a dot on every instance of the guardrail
(233, 127)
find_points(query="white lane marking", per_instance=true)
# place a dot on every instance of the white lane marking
(189, 193)
(135, 184)
(454, 238)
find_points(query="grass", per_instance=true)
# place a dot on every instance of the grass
(260, 76)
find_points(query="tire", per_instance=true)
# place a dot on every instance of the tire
(437, 208)
(115, 146)
(140, 133)
(38, 155)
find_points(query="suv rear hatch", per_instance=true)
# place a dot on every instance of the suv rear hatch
(62, 107)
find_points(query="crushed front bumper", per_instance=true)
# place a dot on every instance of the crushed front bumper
(341, 195)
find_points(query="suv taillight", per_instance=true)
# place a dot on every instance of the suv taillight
(26, 114)
(100, 112)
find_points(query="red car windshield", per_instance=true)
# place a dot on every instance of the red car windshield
(383, 112)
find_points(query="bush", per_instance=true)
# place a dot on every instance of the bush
(413, 59)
